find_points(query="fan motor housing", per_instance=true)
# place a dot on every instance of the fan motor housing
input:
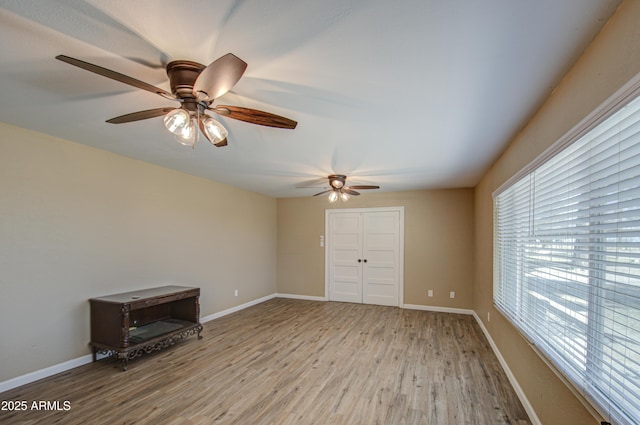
(182, 76)
(337, 181)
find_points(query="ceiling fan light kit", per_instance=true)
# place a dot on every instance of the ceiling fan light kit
(196, 87)
(184, 127)
(179, 122)
(213, 130)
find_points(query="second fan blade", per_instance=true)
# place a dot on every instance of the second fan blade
(140, 115)
(363, 187)
(220, 76)
(255, 116)
(115, 76)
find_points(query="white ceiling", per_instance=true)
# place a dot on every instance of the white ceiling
(411, 94)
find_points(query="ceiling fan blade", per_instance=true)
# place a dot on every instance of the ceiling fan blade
(363, 187)
(115, 76)
(322, 193)
(140, 115)
(255, 116)
(350, 192)
(220, 76)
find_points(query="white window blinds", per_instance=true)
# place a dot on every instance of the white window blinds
(567, 262)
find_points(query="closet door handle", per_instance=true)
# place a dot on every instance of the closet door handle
(365, 260)
(359, 260)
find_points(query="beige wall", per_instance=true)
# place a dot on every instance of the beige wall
(438, 252)
(611, 60)
(78, 222)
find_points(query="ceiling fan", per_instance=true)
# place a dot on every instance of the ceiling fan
(339, 190)
(196, 87)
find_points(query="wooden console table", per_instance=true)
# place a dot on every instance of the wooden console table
(127, 325)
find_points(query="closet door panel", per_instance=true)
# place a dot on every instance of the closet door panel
(381, 232)
(345, 250)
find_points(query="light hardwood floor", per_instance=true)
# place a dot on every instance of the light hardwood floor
(295, 362)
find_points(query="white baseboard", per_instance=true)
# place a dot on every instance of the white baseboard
(512, 379)
(438, 309)
(44, 373)
(236, 308)
(80, 361)
(301, 297)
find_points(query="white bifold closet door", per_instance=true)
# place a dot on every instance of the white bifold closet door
(363, 256)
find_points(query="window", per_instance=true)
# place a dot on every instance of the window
(567, 259)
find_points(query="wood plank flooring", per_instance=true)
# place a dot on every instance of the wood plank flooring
(295, 362)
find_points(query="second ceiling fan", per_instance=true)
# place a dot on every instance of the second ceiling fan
(196, 87)
(339, 190)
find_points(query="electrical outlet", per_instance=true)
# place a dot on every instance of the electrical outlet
(430, 293)
(235, 293)
(488, 316)
(452, 294)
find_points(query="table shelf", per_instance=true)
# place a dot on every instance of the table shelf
(128, 325)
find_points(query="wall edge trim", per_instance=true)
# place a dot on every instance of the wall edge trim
(46, 372)
(222, 313)
(512, 379)
(438, 309)
(300, 297)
